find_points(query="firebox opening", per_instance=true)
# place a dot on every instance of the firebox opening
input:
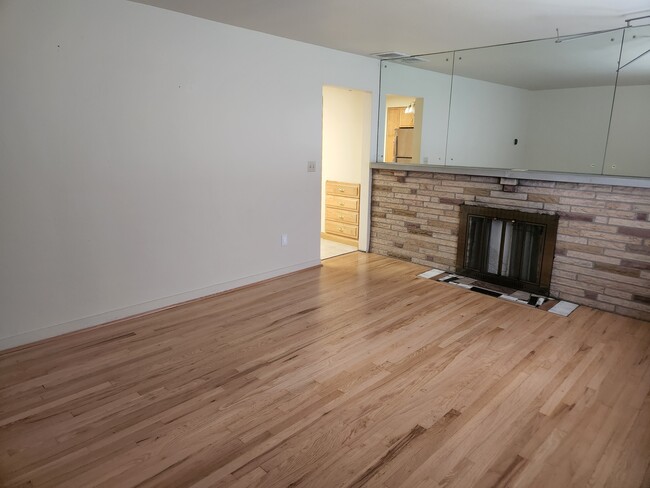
(507, 247)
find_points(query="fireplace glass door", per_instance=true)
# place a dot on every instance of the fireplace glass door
(506, 250)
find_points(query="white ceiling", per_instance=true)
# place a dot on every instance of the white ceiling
(412, 26)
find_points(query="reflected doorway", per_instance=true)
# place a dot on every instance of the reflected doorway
(403, 129)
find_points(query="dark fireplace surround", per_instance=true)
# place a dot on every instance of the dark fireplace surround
(507, 247)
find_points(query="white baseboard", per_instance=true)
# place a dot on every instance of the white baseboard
(102, 318)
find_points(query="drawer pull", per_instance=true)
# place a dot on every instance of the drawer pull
(341, 190)
(341, 217)
(340, 229)
(341, 204)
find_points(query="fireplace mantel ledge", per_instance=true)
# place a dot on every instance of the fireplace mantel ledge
(519, 174)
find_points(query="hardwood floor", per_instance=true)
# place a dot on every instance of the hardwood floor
(354, 374)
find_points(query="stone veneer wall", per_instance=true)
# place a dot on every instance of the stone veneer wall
(602, 256)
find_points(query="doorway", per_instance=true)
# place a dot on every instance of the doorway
(345, 170)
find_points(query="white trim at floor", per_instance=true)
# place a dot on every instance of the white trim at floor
(103, 318)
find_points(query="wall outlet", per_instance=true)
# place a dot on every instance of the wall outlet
(284, 240)
(311, 166)
(426, 159)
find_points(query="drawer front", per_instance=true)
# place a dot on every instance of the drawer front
(343, 189)
(344, 216)
(342, 202)
(340, 229)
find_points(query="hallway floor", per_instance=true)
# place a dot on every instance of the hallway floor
(329, 249)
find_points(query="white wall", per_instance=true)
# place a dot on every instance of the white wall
(347, 125)
(567, 129)
(147, 157)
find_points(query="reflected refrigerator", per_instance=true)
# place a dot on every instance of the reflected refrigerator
(404, 145)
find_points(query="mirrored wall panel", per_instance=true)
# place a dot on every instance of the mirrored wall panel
(541, 105)
(414, 109)
(546, 105)
(628, 146)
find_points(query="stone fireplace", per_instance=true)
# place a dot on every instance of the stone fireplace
(602, 252)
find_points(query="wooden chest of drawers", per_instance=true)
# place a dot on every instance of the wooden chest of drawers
(342, 212)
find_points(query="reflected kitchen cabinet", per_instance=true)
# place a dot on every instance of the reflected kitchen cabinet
(406, 119)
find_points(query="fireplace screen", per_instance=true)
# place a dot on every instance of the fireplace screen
(507, 247)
